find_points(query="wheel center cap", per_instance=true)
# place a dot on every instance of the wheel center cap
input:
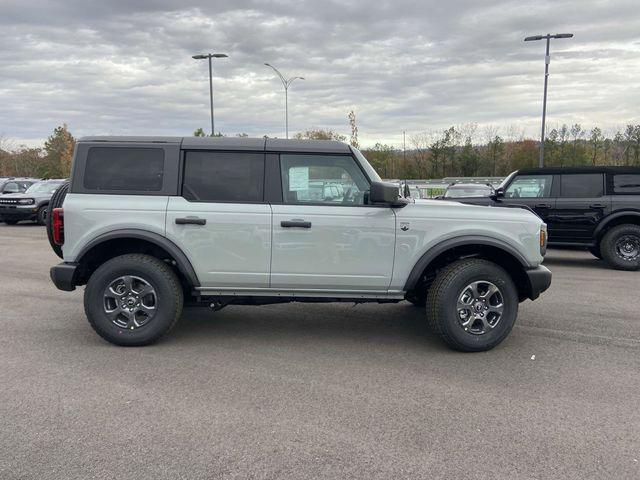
(478, 306)
(131, 301)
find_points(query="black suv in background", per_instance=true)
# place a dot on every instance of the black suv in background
(595, 207)
(32, 204)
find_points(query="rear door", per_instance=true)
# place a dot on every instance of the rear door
(325, 235)
(580, 206)
(221, 221)
(534, 191)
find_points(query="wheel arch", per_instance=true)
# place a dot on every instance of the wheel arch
(120, 242)
(448, 251)
(615, 219)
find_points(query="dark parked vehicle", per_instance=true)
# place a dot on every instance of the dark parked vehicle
(464, 190)
(15, 185)
(31, 205)
(594, 207)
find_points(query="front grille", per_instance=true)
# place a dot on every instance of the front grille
(8, 201)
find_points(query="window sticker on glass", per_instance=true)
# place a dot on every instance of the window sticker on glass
(298, 178)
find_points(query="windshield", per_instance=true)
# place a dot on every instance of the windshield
(461, 192)
(370, 171)
(44, 187)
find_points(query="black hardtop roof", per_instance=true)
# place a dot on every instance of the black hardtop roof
(231, 143)
(569, 170)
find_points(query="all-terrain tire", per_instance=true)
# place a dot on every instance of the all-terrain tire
(41, 215)
(442, 301)
(157, 274)
(57, 199)
(621, 247)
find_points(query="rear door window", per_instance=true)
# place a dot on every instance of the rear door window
(223, 177)
(626, 184)
(582, 185)
(124, 168)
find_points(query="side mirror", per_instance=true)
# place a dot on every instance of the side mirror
(497, 194)
(386, 193)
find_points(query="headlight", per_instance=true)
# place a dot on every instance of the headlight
(543, 240)
(26, 201)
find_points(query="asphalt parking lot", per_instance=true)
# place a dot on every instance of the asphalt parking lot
(319, 391)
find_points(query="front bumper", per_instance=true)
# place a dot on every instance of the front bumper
(63, 276)
(22, 212)
(539, 281)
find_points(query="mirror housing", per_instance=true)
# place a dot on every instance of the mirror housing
(497, 194)
(386, 193)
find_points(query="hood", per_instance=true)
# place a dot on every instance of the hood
(461, 211)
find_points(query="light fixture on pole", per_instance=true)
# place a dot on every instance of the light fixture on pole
(547, 60)
(286, 83)
(209, 56)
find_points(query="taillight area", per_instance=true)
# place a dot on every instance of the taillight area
(58, 225)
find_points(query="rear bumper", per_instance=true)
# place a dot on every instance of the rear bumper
(539, 281)
(63, 275)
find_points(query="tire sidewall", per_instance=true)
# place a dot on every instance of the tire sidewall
(448, 315)
(94, 301)
(41, 216)
(609, 247)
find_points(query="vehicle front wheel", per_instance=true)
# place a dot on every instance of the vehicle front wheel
(621, 247)
(133, 300)
(41, 216)
(473, 305)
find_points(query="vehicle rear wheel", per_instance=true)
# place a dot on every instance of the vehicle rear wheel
(473, 305)
(133, 300)
(595, 251)
(57, 199)
(41, 216)
(621, 247)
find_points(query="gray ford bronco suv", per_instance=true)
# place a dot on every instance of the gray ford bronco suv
(150, 224)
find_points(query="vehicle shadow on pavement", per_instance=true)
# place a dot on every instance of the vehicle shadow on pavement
(590, 263)
(295, 323)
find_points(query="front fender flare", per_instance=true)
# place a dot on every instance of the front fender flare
(435, 251)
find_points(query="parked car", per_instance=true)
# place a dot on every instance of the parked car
(150, 223)
(31, 205)
(597, 208)
(466, 190)
(15, 185)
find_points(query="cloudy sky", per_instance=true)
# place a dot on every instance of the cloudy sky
(125, 67)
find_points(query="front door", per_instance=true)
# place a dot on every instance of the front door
(534, 191)
(580, 207)
(325, 235)
(221, 220)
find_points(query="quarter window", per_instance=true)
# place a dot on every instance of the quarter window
(124, 168)
(223, 177)
(530, 186)
(324, 179)
(582, 185)
(628, 183)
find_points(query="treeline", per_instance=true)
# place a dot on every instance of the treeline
(462, 150)
(53, 160)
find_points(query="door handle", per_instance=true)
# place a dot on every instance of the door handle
(597, 205)
(543, 205)
(191, 221)
(295, 223)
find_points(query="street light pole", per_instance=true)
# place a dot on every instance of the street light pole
(286, 83)
(547, 60)
(209, 56)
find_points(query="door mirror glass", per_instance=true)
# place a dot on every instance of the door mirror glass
(497, 194)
